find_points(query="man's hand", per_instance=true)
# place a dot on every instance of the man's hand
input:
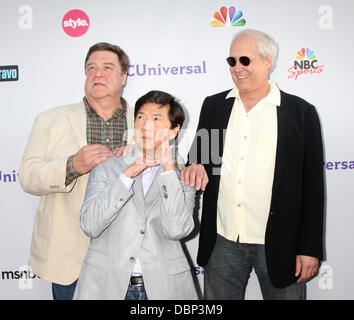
(307, 267)
(123, 151)
(90, 156)
(195, 176)
(138, 166)
(166, 156)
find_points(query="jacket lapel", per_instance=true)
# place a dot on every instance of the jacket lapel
(137, 187)
(220, 121)
(139, 194)
(283, 131)
(78, 120)
(130, 125)
(153, 193)
(224, 120)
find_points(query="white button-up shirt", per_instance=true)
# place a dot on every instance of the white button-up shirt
(247, 169)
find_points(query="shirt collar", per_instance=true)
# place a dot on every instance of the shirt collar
(117, 113)
(148, 169)
(273, 96)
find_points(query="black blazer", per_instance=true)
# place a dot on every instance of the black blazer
(295, 221)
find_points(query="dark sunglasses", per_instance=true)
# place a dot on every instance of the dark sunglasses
(245, 61)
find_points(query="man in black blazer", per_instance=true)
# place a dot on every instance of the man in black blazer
(258, 157)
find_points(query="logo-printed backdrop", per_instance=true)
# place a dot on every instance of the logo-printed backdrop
(179, 47)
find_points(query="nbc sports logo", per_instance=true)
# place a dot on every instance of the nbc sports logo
(305, 63)
(235, 17)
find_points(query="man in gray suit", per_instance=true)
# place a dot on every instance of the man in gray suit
(136, 210)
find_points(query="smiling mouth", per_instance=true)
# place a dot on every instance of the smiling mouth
(241, 76)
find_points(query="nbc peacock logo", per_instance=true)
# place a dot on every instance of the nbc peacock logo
(305, 63)
(303, 54)
(221, 17)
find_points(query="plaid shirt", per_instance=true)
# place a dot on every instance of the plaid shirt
(111, 133)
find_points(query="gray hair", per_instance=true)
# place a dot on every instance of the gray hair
(267, 47)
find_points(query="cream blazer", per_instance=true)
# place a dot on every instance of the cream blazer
(58, 244)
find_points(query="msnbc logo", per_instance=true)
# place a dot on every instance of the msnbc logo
(220, 17)
(305, 63)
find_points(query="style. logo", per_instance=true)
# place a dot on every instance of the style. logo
(220, 17)
(306, 63)
(75, 23)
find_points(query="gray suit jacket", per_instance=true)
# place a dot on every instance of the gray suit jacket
(124, 226)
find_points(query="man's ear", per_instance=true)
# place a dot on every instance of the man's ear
(175, 131)
(269, 62)
(124, 78)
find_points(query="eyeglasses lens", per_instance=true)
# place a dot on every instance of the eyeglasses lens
(245, 61)
(231, 61)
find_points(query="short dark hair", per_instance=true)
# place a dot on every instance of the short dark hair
(175, 112)
(105, 46)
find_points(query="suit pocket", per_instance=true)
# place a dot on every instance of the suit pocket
(181, 285)
(93, 276)
(96, 258)
(178, 265)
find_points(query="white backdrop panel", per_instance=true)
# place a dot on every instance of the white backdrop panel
(162, 35)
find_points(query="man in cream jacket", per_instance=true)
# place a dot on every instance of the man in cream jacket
(64, 145)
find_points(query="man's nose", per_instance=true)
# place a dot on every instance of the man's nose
(238, 67)
(148, 125)
(98, 72)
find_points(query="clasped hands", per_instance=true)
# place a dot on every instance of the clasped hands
(91, 155)
(162, 156)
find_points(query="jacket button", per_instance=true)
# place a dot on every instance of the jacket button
(142, 231)
(272, 212)
(131, 259)
(119, 203)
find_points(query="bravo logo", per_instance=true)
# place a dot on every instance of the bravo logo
(8, 73)
(75, 23)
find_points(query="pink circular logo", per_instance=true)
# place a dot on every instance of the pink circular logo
(75, 23)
